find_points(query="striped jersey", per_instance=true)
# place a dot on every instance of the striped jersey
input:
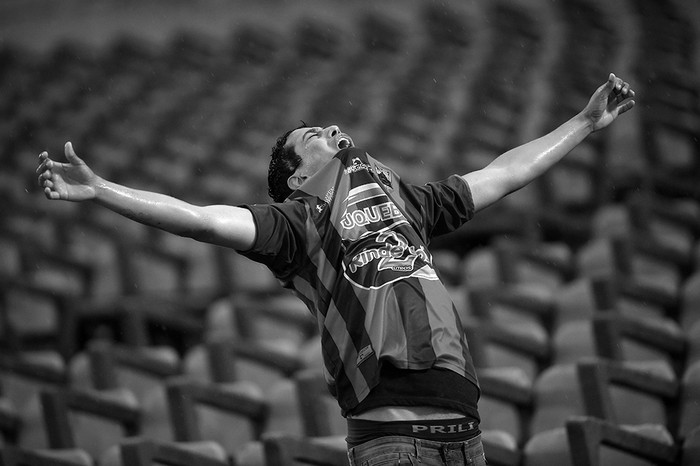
(352, 243)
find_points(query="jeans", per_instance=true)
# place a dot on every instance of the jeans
(399, 450)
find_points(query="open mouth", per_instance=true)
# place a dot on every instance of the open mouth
(344, 142)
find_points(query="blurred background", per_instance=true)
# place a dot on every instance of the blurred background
(187, 97)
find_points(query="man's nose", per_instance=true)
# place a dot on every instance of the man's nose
(331, 131)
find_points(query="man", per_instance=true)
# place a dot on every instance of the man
(350, 238)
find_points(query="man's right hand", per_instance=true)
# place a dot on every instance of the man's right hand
(71, 181)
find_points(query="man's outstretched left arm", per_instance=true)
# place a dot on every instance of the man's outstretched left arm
(519, 166)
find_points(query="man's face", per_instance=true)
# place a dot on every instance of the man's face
(316, 147)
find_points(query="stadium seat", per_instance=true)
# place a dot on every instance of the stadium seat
(106, 365)
(284, 407)
(627, 394)
(34, 316)
(643, 282)
(22, 378)
(689, 311)
(90, 420)
(556, 397)
(287, 450)
(672, 223)
(141, 370)
(547, 447)
(24, 374)
(244, 275)
(534, 263)
(598, 442)
(139, 451)
(516, 304)
(320, 412)
(147, 319)
(10, 422)
(579, 299)
(689, 405)
(506, 404)
(504, 345)
(227, 360)
(691, 448)
(693, 338)
(231, 415)
(613, 336)
(13, 456)
(641, 417)
(625, 338)
(273, 317)
(573, 341)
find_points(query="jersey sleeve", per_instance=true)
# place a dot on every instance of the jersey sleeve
(445, 205)
(279, 238)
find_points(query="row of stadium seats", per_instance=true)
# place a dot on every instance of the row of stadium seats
(278, 389)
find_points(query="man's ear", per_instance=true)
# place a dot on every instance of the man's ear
(295, 181)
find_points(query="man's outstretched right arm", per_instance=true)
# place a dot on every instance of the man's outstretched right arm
(217, 224)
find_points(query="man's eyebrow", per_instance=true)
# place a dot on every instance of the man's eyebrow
(310, 130)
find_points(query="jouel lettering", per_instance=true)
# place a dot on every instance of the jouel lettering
(367, 215)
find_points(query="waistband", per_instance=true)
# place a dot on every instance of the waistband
(421, 449)
(438, 430)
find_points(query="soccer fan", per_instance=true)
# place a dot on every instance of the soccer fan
(351, 239)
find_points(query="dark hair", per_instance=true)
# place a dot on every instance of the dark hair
(284, 161)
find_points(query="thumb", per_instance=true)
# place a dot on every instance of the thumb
(611, 80)
(70, 154)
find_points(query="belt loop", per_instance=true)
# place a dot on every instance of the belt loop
(417, 446)
(351, 455)
(443, 453)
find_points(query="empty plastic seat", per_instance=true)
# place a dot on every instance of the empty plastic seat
(34, 315)
(689, 311)
(556, 397)
(579, 300)
(603, 443)
(277, 318)
(492, 344)
(627, 394)
(139, 451)
(231, 415)
(10, 422)
(640, 339)
(547, 447)
(689, 405)
(506, 405)
(693, 338)
(287, 450)
(13, 456)
(22, 378)
(230, 360)
(321, 415)
(90, 420)
(646, 281)
(105, 365)
(141, 370)
(691, 448)
(573, 341)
